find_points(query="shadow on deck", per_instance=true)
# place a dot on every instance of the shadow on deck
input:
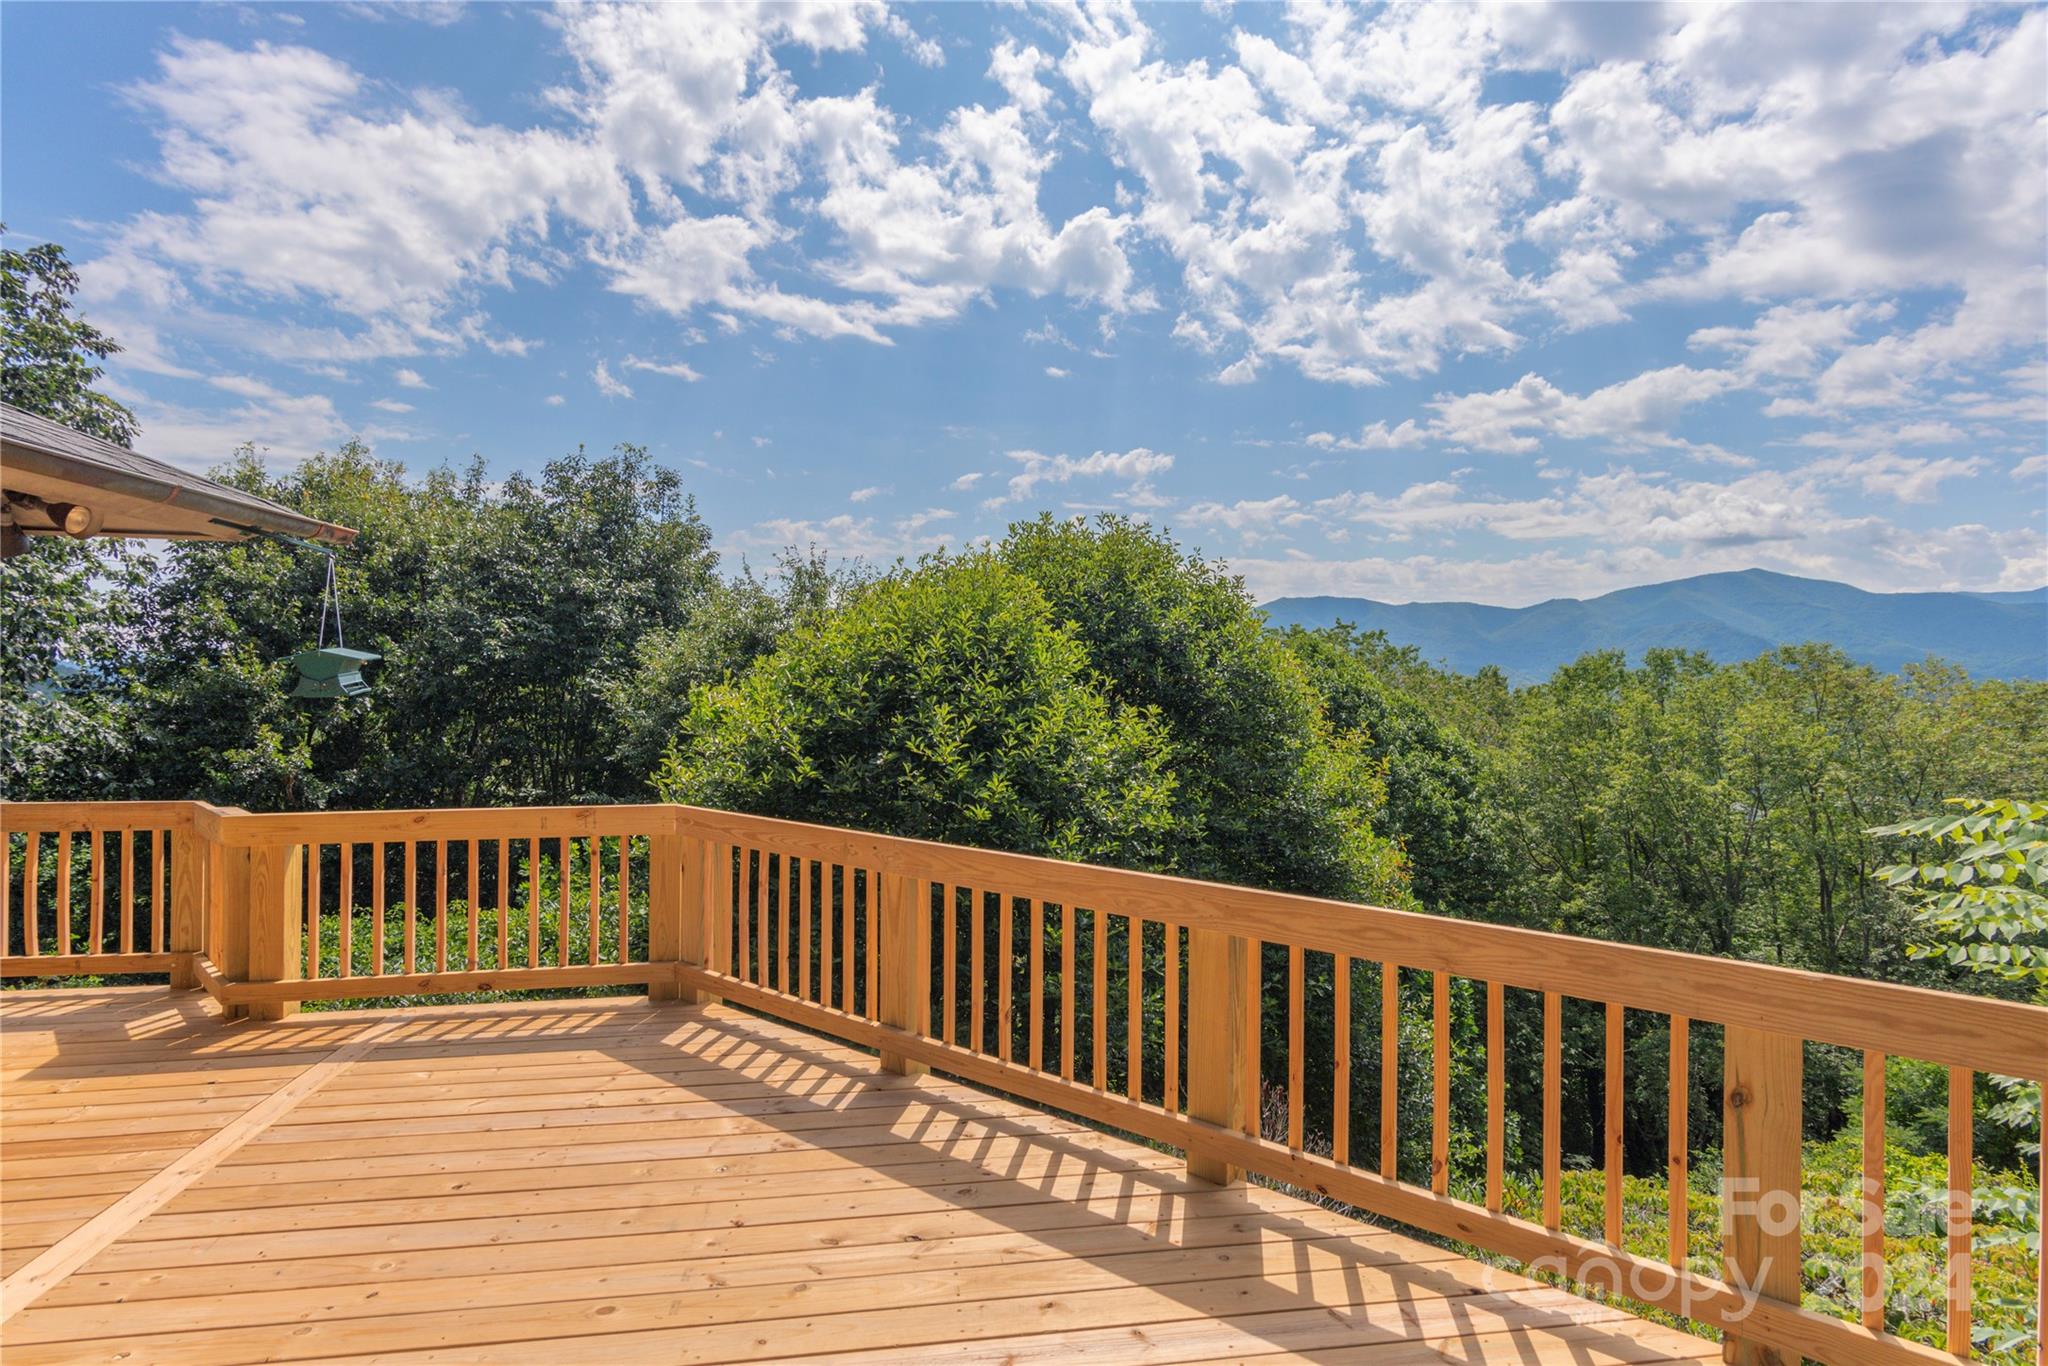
(610, 1180)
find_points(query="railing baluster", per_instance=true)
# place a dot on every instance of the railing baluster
(473, 882)
(1134, 1007)
(1390, 1070)
(348, 910)
(408, 878)
(95, 920)
(312, 933)
(378, 876)
(1961, 1183)
(30, 876)
(1297, 1067)
(1006, 956)
(1553, 1107)
(159, 888)
(757, 861)
(562, 901)
(440, 905)
(1067, 992)
(1873, 1286)
(625, 897)
(874, 938)
(847, 941)
(1678, 1149)
(822, 926)
(1037, 985)
(504, 900)
(1612, 1118)
(1170, 1087)
(1440, 1085)
(1496, 1096)
(64, 895)
(977, 974)
(1098, 999)
(593, 862)
(1340, 1044)
(127, 846)
(949, 958)
(533, 901)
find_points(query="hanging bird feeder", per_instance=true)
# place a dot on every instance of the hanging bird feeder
(331, 670)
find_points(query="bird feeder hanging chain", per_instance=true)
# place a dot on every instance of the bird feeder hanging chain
(331, 598)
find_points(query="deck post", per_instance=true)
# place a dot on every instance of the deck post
(665, 914)
(906, 953)
(277, 908)
(189, 854)
(694, 931)
(227, 900)
(1221, 981)
(1761, 1078)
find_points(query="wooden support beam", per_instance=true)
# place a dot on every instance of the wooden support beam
(276, 912)
(906, 965)
(665, 912)
(1222, 976)
(1762, 1074)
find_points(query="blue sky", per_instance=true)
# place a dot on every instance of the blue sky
(1410, 303)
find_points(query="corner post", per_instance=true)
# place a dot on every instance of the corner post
(1221, 975)
(694, 937)
(227, 906)
(665, 916)
(906, 954)
(1762, 1076)
(276, 912)
(190, 854)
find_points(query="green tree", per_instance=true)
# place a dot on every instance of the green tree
(506, 616)
(944, 702)
(49, 356)
(67, 604)
(1268, 793)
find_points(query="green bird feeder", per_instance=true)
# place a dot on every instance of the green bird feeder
(332, 671)
(328, 671)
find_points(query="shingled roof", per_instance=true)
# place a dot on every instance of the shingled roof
(127, 493)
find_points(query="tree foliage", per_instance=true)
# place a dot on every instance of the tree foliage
(944, 702)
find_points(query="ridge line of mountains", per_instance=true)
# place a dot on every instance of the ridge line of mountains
(1730, 616)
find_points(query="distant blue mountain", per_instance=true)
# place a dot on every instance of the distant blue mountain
(1730, 616)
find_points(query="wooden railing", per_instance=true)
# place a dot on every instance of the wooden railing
(1160, 1006)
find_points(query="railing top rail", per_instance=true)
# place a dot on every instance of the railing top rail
(25, 817)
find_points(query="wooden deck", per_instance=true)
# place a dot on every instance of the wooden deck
(618, 1181)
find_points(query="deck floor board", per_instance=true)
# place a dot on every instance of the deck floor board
(617, 1181)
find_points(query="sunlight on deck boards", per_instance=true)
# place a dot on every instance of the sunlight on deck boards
(617, 1181)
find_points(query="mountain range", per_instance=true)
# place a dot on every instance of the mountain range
(1730, 616)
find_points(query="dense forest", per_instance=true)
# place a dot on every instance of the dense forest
(1084, 689)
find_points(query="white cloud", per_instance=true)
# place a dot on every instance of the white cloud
(390, 405)
(1054, 372)
(967, 481)
(673, 369)
(554, 400)
(609, 385)
(1135, 466)
(409, 379)
(1376, 436)
(862, 495)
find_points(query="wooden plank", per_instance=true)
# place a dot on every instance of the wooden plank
(1678, 1148)
(1496, 1096)
(160, 888)
(849, 943)
(562, 902)
(348, 909)
(1962, 1114)
(1390, 1070)
(533, 901)
(1440, 1085)
(1553, 1117)
(977, 972)
(906, 942)
(1762, 1075)
(785, 924)
(25, 1286)
(1873, 1194)
(450, 983)
(762, 955)
(625, 897)
(1614, 1057)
